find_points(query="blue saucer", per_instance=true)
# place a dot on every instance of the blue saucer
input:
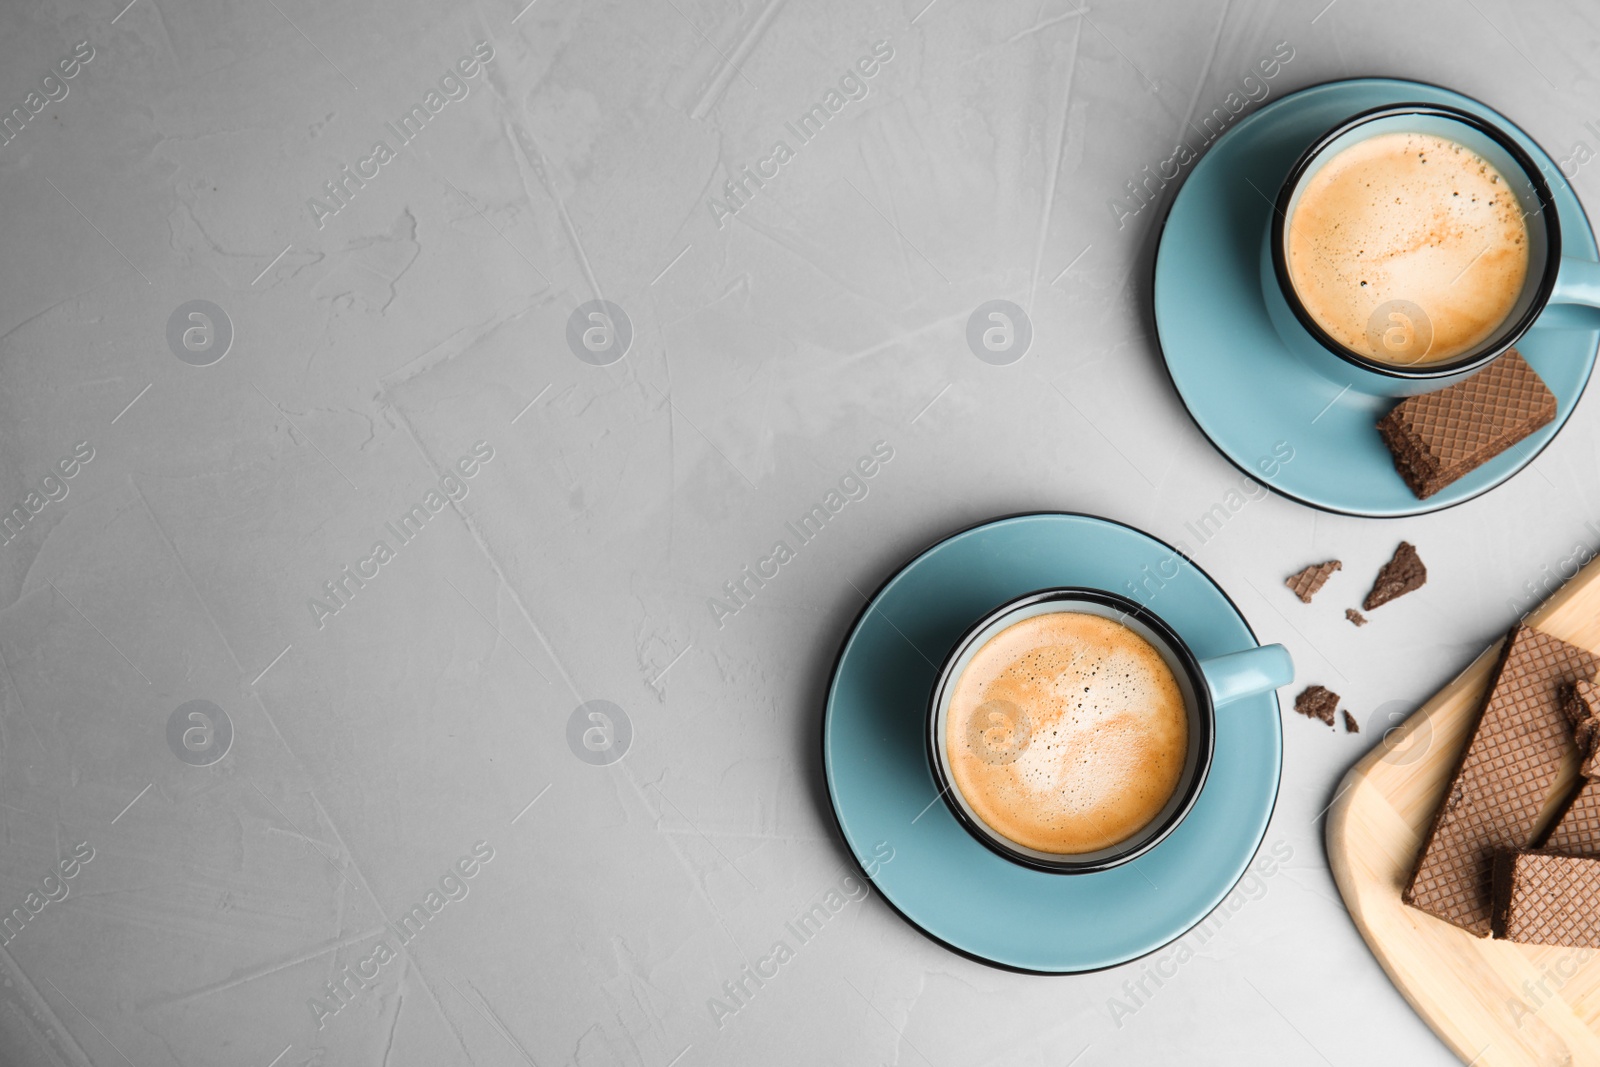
(938, 876)
(1243, 387)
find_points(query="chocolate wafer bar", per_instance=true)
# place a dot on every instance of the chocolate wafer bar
(1577, 830)
(1541, 898)
(1438, 437)
(1305, 583)
(1504, 778)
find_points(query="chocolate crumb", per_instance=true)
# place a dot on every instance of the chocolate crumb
(1317, 702)
(1398, 577)
(1355, 616)
(1305, 583)
(1350, 726)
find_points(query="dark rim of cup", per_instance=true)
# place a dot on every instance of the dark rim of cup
(992, 838)
(1506, 337)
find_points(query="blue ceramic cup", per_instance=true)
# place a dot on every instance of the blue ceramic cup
(1206, 686)
(1551, 279)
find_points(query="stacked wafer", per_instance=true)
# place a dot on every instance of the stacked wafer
(1507, 773)
(1489, 863)
(1547, 896)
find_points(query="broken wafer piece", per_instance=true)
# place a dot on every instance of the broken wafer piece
(1581, 703)
(1576, 831)
(1317, 702)
(1355, 616)
(1542, 898)
(1506, 775)
(1403, 573)
(1350, 726)
(1439, 437)
(1305, 583)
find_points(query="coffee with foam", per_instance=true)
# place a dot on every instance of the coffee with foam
(1067, 733)
(1408, 248)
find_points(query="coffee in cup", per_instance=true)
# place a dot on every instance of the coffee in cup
(1458, 268)
(1408, 247)
(1071, 729)
(1067, 733)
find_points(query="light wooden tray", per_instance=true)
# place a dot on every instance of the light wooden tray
(1492, 1002)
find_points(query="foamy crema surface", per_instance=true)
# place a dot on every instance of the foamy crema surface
(1067, 732)
(1408, 217)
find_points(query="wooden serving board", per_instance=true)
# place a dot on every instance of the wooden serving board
(1492, 1002)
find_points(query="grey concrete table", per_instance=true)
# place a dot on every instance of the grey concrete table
(287, 281)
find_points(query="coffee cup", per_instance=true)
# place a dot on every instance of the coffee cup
(1077, 788)
(1412, 245)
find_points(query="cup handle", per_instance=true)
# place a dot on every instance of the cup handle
(1578, 282)
(1244, 674)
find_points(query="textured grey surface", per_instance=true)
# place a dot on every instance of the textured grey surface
(377, 746)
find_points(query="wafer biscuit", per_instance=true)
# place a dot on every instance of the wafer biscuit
(1505, 777)
(1542, 898)
(1439, 437)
